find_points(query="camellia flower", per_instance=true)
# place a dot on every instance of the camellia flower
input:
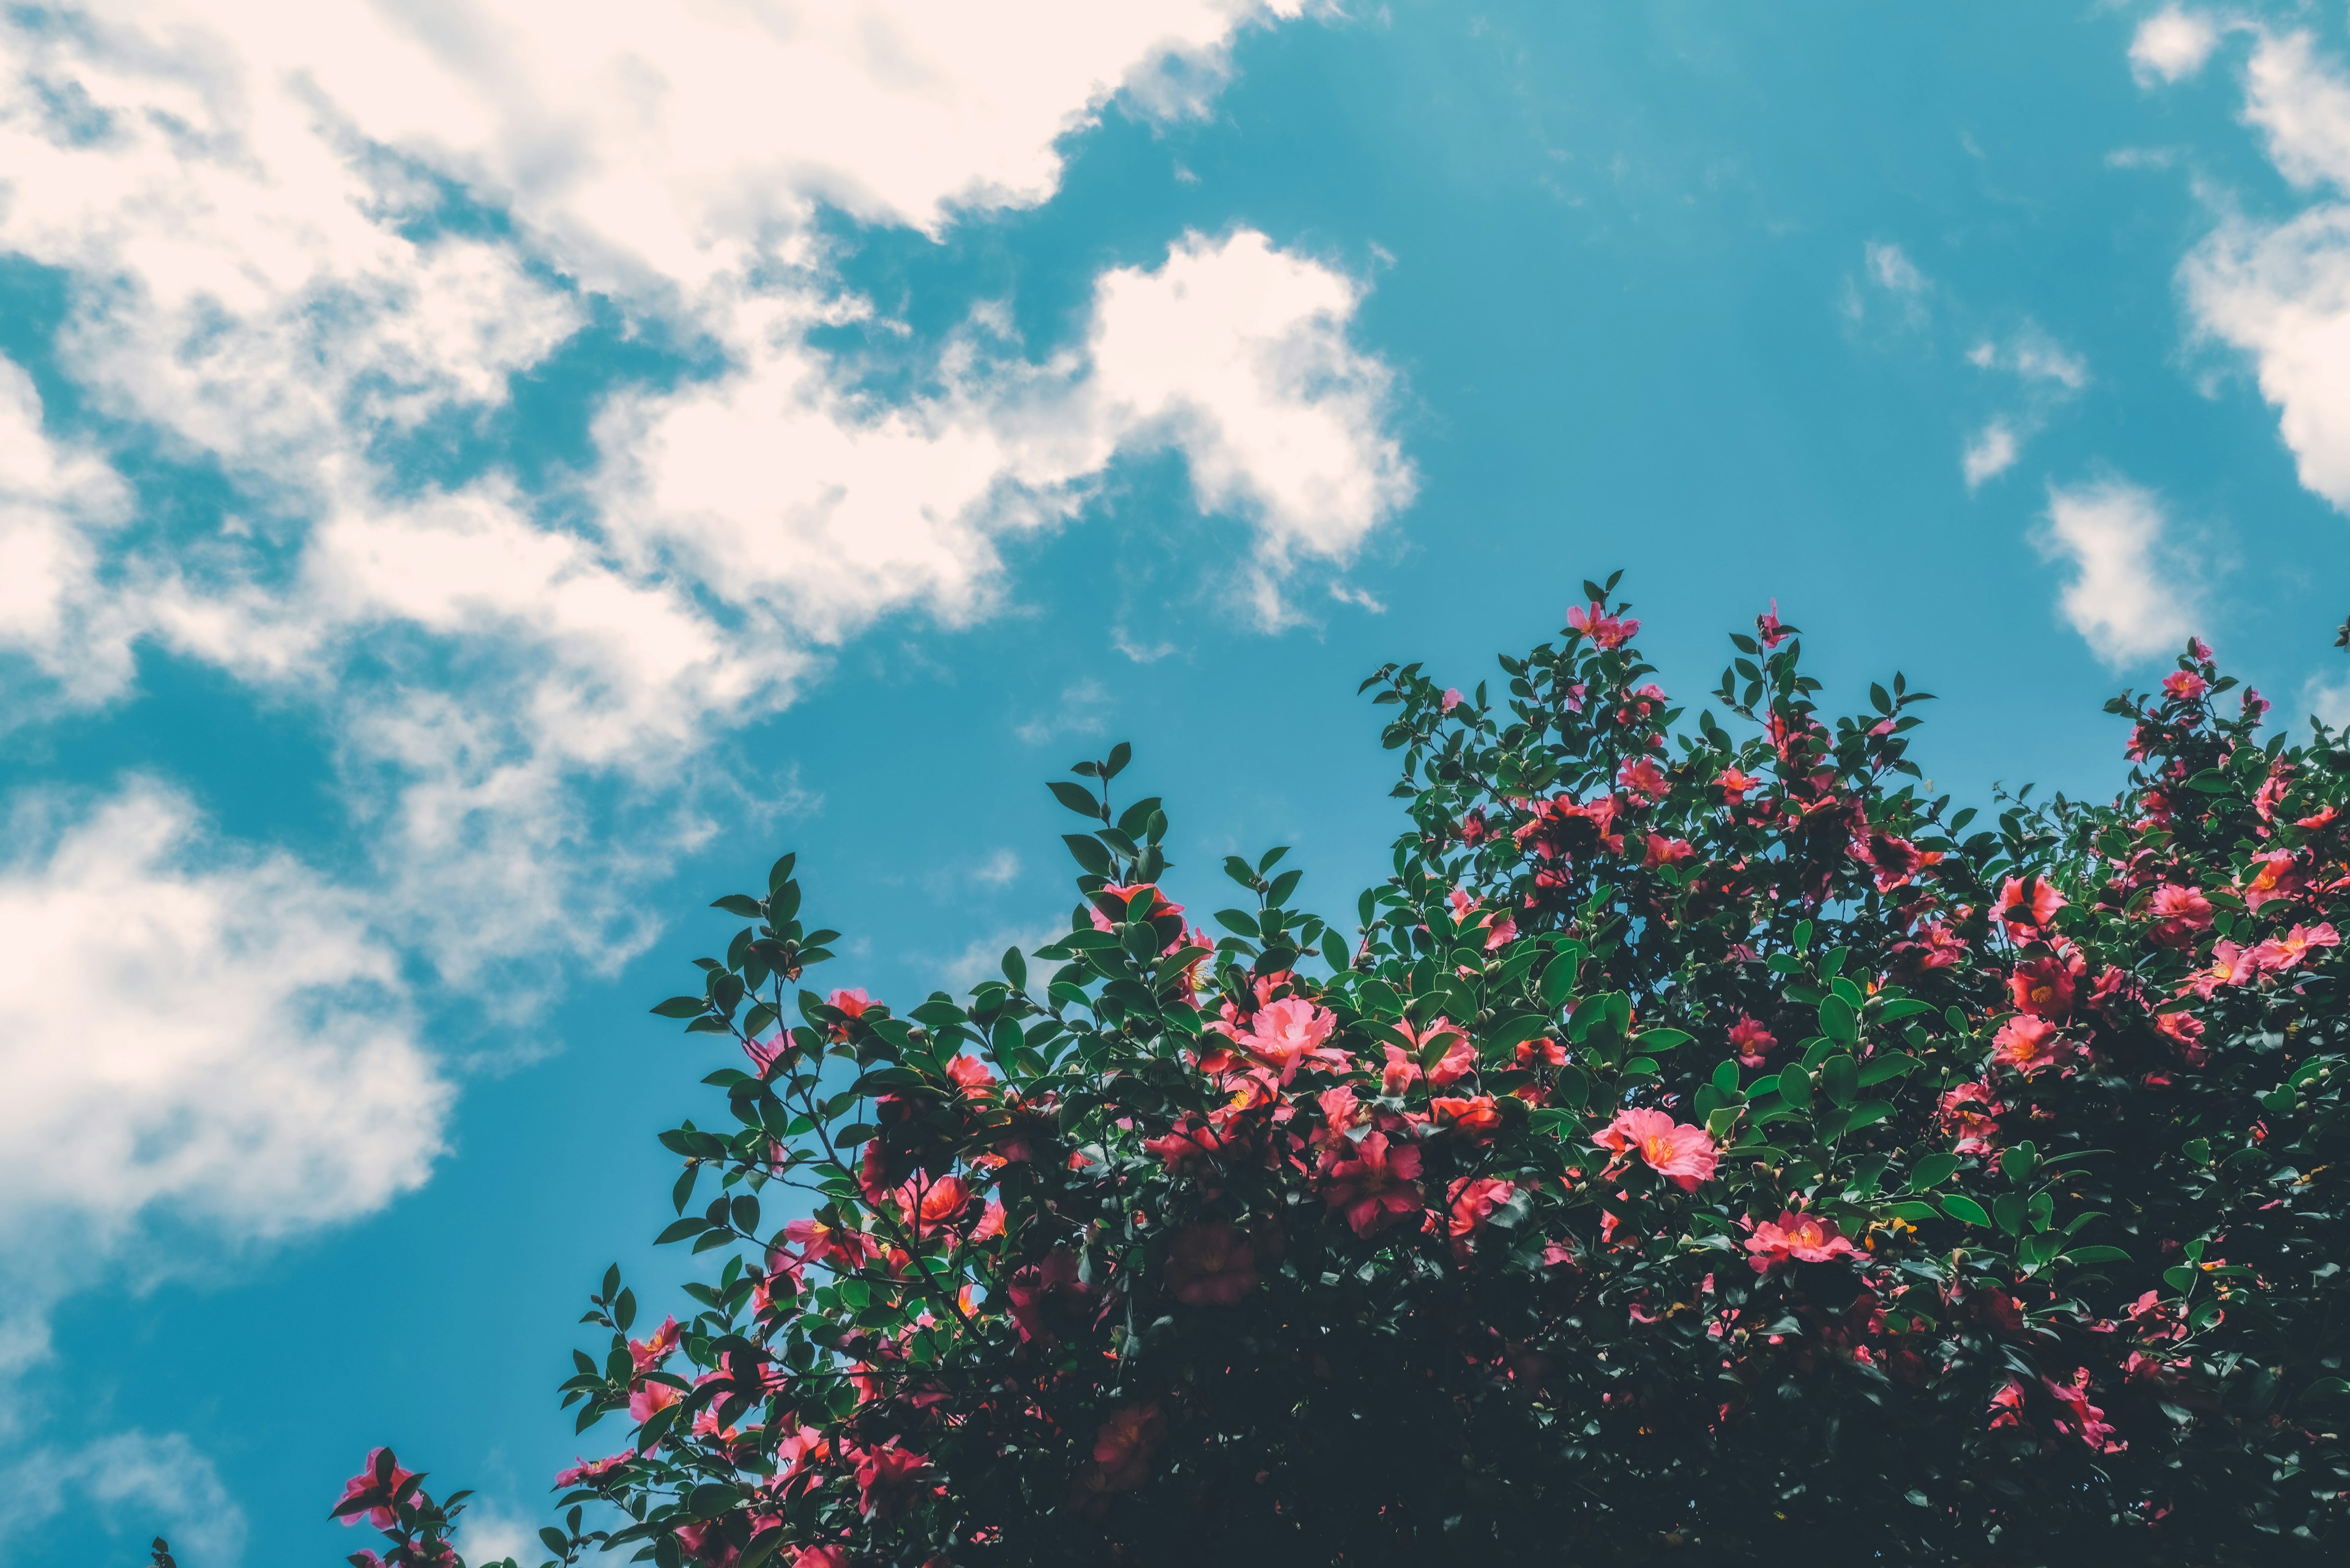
(972, 1076)
(2026, 1045)
(1769, 629)
(1124, 1443)
(1451, 699)
(1286, 1034)
(2185, 685)
(1608, 631)
(1210, 1265)
(1377, 1186)
(2082, 1420)
(2042, 986)
(1642, 776)
(1474, 1113)
(821, 1557)
(2178, 913)
(1676, 1151)
(1972, 1111)
(2027, 904)
(890, 1479)
(1734, 786)
(1750, 1041)
(1797, 1238)
(2277, 877)
(1663, 851)
(1472, 1200)
(2281, 953)
(588, 1472)
(368, 1483)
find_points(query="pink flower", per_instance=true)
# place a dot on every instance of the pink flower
(821, 1557)
(1602, 628)
(588, 1472)
(2007, 1404)
(1642, 776)
(1970, 1111)
(1474, 1113)
(2278, 878)
(1750, 1041)
(2185, 685)
(648, 1353)
(1677, 1150)
(1402, 1071)
(1376, 1187)
(1474, 1201)
(1769, 628)
(2281, 953)
(1734, 786)
(2026, 1045)
(1287, 1033)
(1799, 1238)
(2082, 1420)
(972, 1076)
(2042, 986)
(890, 1479)
(1663, 851)
(2180, 913)
(1210, 1265)
(1453, 699)
(2026, 903)
(1124, 1443)
(647, 1396)
(380, 1477)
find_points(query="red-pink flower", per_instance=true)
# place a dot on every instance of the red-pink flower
(2026, 1045)
(2027, 904)
(1642, 776)
(972, 1076)
(1663, 851)
(1376, 1187)
(2178, 913)
(821, 1557)
(591, 1471)
(1677, 1150)
(1210, 1265)
(2044, 986)
(1972, 1112)
(380, 1477)
(890, 1479)
(1798, 1238)
(2185, 685)
(1607, 631)
(1769, 628)
(1451, 698)
(2079, 1419)
(1124, 1443)
(1286, 1034)
(1473, 1113)
(1474, 1201)
(1750, 1041)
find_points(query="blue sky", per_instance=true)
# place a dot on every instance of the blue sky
(477, 481)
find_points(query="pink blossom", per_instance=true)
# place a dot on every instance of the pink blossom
(2044, 986)
(367, 1484)
(2185, 685)
(1288, 1033)
(1769, 628)
(1604, 629)
(1210, 1265)
(1642, 776)
(2026, 903)
(972, 1076)
(1677, 1150)
(1453, 699)
(2026, 1045)
(1972, 1111)
(588, 1472)
(1799, 1238)
(1376, 1187)
(1750, 1041)
(2079, 1419)
(1474, 1201)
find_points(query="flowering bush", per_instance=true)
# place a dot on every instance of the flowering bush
(1701, 1141)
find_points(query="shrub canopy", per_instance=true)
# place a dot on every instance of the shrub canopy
(1705, 1146)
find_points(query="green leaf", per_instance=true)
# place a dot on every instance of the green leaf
(1838, 1020)
(1795, 1088)
(1119, 755)
(1907, 1007)
(1655, 1040)
(740, 904)
(2210, 781)
(1238, 921)
(682, 1007)
(1959, 1206)
(1868, 1113)
(1077, 798)
(1335, 953)
(2324, 1391)
(1840, 1078)
(1523, 1027)
(1913, 1211)
(779, 874)
(1558, 978)
(2009, 1210)
(1878, 1069)
(1932, 1170)
(2097, 1255)
(1088, 852)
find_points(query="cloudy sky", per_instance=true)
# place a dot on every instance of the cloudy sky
(479, 478)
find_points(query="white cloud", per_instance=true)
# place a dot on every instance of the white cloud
(1989, 455)
(2302, 107)
(1889, 267)
(57, 502)
(2048, 373)
(296, 234)
(138, 1486)
(2128, 594)
(2328, 699)
(1083, 709)
(213, 1032)
(487, 1535)
(2280, 292)
(2172, 45)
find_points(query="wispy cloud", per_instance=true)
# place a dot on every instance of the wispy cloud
(2127, 594)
